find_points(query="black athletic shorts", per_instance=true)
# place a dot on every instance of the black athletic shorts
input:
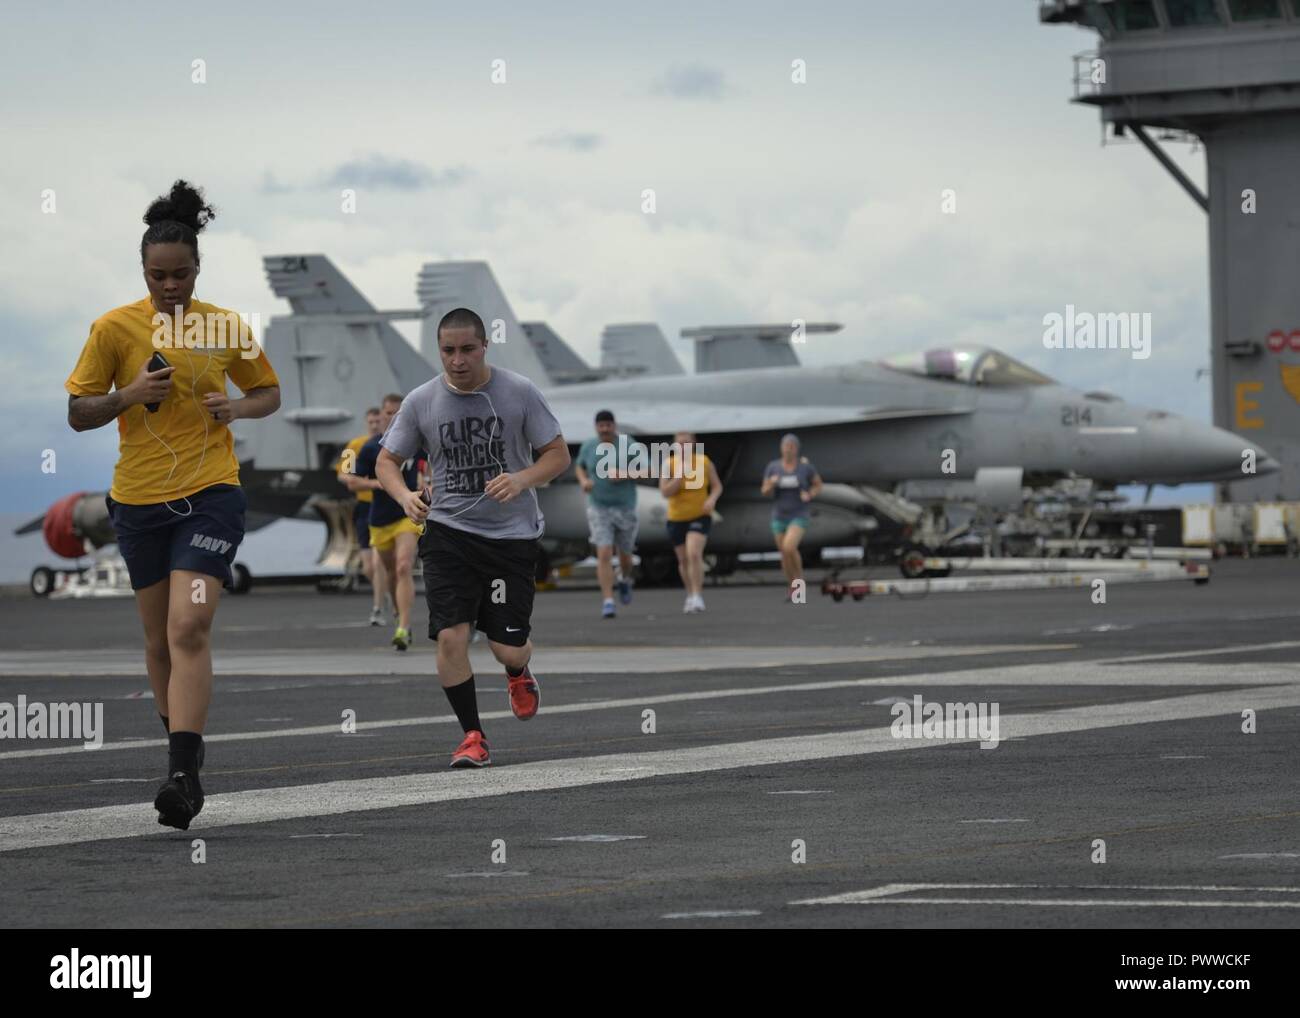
(678, 529)
(200, 533)
(461, 571)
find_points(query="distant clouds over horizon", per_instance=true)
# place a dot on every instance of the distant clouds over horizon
(375, 172)
(690, 81)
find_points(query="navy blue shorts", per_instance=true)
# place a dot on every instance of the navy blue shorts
(361, 524)
(200, 534)
(678, 529)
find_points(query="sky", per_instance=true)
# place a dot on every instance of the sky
(774, 200)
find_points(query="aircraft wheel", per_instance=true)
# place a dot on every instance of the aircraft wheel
(912, 563)
(42, 581)
(241, 580)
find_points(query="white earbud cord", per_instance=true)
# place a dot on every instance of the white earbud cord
(497, 423)
(176, 459)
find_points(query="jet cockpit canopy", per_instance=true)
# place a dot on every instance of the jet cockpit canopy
(969, 365)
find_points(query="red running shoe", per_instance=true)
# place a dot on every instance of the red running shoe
(525, 694)
(472, 752)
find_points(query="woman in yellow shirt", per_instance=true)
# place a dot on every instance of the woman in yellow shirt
(692, 487)
(176, 504)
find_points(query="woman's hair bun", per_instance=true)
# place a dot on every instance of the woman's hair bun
(184, 204)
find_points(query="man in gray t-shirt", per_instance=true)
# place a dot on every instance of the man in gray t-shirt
(481, 427)
(473, 437)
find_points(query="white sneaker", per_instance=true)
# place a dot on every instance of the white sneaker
(699, 602)
(689, 607)
(376, 617)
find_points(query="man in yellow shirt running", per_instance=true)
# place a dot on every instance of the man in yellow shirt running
(692, 487)
(372, 566)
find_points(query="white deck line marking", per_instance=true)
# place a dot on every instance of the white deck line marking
(568, 660)
(1082, 902)
(884, 895)
(1080, 673)
(268, 805)
(1241, 648)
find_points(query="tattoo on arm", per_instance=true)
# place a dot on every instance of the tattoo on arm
(260, 402)
(88, 412)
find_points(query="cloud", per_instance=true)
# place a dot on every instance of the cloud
(834, 227)
(375, 173)
(690, 81)
(270, 185)
(575, 141)
(381, 173)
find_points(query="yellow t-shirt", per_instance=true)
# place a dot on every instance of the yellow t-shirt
(354, 447)
(688, 503)
(120, 342)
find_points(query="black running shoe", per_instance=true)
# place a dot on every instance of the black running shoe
(179, 800)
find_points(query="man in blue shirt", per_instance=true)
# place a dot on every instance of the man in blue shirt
(394, 537)
(602, 468)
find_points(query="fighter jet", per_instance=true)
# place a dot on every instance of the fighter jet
(955, 413)
(958, 413)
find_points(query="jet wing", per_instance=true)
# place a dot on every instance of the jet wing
(657, 417)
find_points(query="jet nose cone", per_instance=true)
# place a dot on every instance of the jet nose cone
(1191, 452)
(1264, 463)
(1236, 457)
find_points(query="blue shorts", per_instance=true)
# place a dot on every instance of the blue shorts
(678, 529)
(361, 524)
(200, 534)
(781, 526)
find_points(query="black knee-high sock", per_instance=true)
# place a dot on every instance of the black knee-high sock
(515, 674)
(184, 752)
(464, 701)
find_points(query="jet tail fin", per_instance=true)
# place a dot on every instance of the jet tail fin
(637, 348)
(737, 347)
(443, 286)
(312, 285)
(560, 360)
(336, 355)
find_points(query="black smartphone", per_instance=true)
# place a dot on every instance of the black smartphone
(156, 363)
